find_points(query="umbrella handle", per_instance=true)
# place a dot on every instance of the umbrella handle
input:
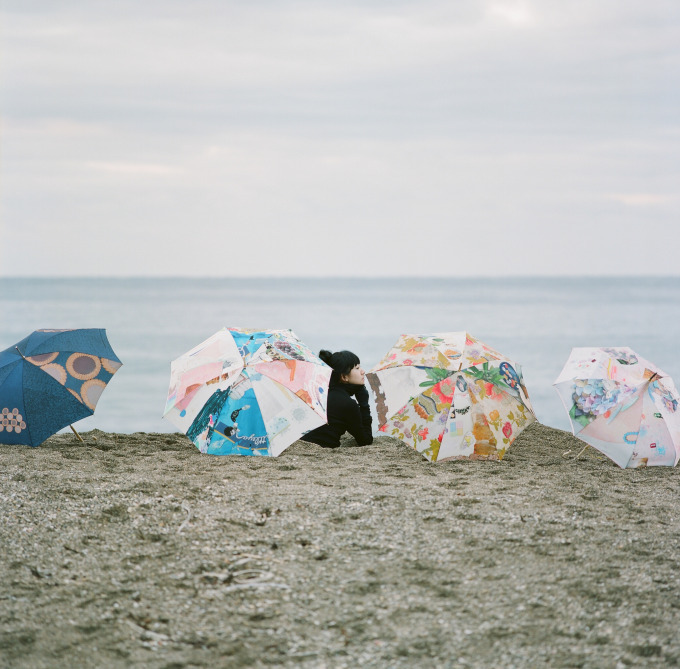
(582, 452)
(76, 433)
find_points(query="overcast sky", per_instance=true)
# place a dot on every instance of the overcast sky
(372, 137)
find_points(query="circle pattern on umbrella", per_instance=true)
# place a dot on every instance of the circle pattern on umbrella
(91, 391)
(83, 366)
(11, 420)
(43, 358)
(57, 372)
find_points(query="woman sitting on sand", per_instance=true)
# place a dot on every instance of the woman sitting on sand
(344, 413)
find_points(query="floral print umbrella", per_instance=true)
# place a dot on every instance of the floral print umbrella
(248, 392)
(450, 396)
(622, 405)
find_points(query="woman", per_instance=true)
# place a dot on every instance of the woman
(348, 409)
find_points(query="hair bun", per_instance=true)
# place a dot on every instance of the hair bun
(325, 356)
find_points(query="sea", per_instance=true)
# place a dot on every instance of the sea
(535, 321)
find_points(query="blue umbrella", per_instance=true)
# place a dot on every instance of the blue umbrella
(51, 379)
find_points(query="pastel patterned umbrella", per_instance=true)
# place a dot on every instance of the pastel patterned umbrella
(450, 396)
(248, 392)
(51, 379)
(622, 405)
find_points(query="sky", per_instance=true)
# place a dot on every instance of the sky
(347, 138)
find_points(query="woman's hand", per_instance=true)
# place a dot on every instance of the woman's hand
(362, 396)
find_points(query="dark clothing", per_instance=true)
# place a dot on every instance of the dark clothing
(344, 415)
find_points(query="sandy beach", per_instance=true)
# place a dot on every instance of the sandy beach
(138, 551)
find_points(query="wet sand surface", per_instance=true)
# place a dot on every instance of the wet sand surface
(138, 551)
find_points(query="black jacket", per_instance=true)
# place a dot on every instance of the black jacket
(344, 415)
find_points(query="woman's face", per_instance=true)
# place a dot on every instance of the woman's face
(355, 376)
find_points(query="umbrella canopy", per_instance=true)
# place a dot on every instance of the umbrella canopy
(622, 405)
(248, 392)
(450, 396)
(51, 379)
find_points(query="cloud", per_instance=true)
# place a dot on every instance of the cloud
(518, 14)
(642, 199)
(133, 169)
(488, 135)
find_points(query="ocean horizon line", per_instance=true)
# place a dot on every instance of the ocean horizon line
(335, 277)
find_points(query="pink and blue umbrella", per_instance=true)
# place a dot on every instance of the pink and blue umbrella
(248, 392)
(622, 405)
(51, 379)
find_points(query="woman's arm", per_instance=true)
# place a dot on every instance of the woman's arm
(359, 423)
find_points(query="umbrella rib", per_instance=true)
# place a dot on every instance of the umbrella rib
(259, 409)
(289, 390)
(51, 380)
(283, 385)
(401, 408)
(410, 399)
(566, 408)
(23, 398)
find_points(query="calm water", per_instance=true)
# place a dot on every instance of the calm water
(535, 322)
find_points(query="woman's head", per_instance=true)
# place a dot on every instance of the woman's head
(346, 366)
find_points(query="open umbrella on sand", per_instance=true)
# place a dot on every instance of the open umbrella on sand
(450, 396)
(622, 405)
(248, 392)
(51, 379)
